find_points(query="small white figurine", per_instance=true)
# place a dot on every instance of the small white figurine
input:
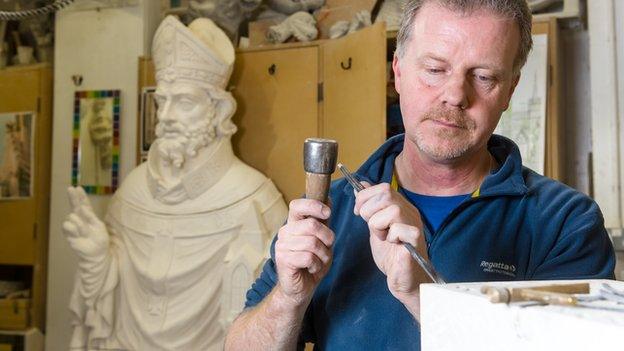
(188, 230)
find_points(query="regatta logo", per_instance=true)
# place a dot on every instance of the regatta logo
(499, 267)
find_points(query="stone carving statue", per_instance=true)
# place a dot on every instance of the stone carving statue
(187, 231)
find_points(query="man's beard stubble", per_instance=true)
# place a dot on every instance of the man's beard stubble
(447, 143)
(185, 144)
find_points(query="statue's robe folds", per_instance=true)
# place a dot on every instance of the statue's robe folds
(160, 287)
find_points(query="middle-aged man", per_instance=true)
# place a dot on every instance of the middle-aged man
(448, 186)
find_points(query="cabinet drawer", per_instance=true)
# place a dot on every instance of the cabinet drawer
(14, 313)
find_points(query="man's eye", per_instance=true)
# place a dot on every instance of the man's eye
(484, 79)
(435, 70)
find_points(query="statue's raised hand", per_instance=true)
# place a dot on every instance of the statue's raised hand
(86, 233)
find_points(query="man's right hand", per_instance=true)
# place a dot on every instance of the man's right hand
(303, 251)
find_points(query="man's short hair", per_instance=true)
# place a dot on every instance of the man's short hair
(518, 10)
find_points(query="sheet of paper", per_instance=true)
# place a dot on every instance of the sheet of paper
(525, 120)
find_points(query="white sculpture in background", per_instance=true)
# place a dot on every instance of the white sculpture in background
(187, 231)
(300, 25)
(341, 28)
(229, 14)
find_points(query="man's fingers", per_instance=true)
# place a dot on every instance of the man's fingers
(373, 205)
(403, 233)
(308, 226)
(371, 193)
(380, 221)
(299, 209)
(305, 243)
(301, 260)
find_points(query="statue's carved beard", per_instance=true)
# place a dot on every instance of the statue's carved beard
(176, 141)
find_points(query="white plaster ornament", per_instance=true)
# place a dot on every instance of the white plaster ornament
(188, 230)
(301, 25)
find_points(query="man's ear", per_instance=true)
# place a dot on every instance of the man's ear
(396, 67)
(514, 84)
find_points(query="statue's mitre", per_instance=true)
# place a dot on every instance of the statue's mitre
(201, 53)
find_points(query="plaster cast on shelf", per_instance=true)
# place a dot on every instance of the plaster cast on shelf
(290, 7)
(301, 25)
(188, 230)
(341, 28)
(391, 12)
(227, 14)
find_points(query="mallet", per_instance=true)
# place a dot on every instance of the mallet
(319, 162)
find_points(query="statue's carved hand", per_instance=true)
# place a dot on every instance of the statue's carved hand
(86, 233)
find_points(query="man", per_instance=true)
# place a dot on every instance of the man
(449, 187)
(188, 228)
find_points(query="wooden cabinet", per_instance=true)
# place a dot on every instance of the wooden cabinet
(330, 89)
(286, 93)
(277, 110)
(24, 228)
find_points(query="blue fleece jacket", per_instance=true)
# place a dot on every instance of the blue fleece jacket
(522, 226)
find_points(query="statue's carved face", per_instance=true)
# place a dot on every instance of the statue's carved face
(186, 115)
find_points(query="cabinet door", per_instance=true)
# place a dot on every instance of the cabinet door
(19, 92)
(276, 92)
(354, 99)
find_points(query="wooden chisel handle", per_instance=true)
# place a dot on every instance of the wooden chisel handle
(547, 297)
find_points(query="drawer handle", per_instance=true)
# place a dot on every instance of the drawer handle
(272, 69)
(347, 66)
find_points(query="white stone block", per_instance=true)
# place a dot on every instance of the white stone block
(458, 317)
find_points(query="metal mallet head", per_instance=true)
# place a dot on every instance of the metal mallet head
(319, 162)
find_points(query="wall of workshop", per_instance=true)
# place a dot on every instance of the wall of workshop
(577, 112)
(102, 45)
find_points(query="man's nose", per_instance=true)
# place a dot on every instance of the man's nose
(456, 92)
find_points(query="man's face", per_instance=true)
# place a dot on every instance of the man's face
(185, 113)
(455, 79)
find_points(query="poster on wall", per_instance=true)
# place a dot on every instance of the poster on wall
(524, 122)
(149, 119)
(16, 155)
(95, 164)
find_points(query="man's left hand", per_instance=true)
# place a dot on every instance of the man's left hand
(392, 220)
